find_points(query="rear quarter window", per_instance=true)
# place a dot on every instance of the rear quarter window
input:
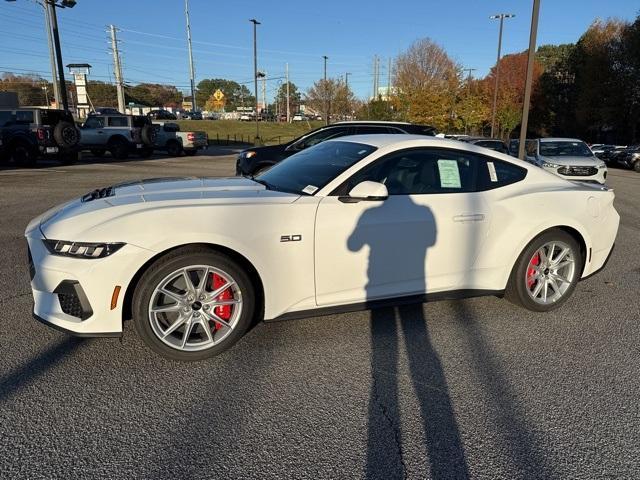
(496, 173)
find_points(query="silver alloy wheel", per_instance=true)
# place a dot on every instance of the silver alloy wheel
(187, 313)
(550, 272)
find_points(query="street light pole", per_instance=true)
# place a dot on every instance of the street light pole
(56, 41)
(529, 81)
(326, 92)
(52, 55)
(194, 106)
(501, 16)
(255, 72)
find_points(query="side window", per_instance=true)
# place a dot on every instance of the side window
(94, 122)
(496, 173)
(420, 171)
(24, 117)
(373, 129)
(118, 122)
(531, 147)
(321, 136)
(5, 117)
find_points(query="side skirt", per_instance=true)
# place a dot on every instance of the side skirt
(387, 302)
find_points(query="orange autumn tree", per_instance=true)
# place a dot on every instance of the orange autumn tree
(513, 70)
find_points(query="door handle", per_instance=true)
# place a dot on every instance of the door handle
(476, 217)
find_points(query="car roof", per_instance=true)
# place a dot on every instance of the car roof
(370, 122)
(385, 139)
(559, 139)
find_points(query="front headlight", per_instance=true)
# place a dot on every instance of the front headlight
(249, 154)
(550, 165)
(65, 248)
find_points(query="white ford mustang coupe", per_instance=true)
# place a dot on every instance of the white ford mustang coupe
(351, 223)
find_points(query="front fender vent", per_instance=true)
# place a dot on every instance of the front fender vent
(98, 193)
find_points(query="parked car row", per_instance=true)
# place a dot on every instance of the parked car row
(27, 134)
(626, 157)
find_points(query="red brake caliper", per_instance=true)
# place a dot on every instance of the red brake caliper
(531, 271)
(222, 311)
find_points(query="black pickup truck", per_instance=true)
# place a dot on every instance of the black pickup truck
(28, 134)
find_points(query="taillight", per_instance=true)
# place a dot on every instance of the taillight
(41, 134)
(191, 136)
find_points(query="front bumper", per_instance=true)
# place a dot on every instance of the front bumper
(599, 176)
(74, 295)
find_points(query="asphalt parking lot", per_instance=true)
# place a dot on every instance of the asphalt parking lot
(454, 389)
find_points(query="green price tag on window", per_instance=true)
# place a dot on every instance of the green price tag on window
(449, 174)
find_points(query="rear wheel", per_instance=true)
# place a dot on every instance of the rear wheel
(636, 166)
(174, 148)
(192, 304)
(23, 155)
(119, 148)
(546, 273)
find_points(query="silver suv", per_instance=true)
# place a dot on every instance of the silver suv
(118, 134)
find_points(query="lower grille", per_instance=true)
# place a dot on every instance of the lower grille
(70, 304)
(578, 171)
(73, 300)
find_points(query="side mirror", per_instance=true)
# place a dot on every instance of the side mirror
(366, 191)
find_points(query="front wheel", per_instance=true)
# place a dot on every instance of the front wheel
(193, 303)
(546, 273)
(636, 166)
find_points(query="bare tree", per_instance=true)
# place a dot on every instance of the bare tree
(332, 97)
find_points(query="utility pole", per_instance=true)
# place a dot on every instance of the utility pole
(389, 81)
(52, 56)
(194, 106)
(255, 72)
(529, 81)
(264, 92)
(468, 93)
(326, 92)
(288, 94)
(346, 79)
(375, 77)
(117, 69)
(500, 16)
(56, 42)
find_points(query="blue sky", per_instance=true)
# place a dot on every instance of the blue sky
(350, 32)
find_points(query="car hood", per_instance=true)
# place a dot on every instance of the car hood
(103, 205)
(573, 161)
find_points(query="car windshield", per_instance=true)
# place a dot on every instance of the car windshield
(565, 149)
(309, 170)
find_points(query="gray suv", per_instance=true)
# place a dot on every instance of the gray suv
(118, 134)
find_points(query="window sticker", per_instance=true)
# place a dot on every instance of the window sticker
(492, 172)
(449, 174)
(310, 189)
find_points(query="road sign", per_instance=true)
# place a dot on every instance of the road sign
(218, 95)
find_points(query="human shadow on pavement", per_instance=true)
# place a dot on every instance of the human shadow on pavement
(37, 366)
(399, 254)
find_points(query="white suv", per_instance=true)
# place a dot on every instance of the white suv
(567, 157)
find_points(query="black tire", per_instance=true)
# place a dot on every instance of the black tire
(145, 152)
(148, 135)
(636, 166)
(97, 152)
(175, 260)
(119, 148)
(23, 154)
(192, 152)
(66, 134)
(174, 148)
(516, 291)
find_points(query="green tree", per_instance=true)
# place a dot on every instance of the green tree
(102, 94)
(153, 95)
(294, 98)
(28, 87)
